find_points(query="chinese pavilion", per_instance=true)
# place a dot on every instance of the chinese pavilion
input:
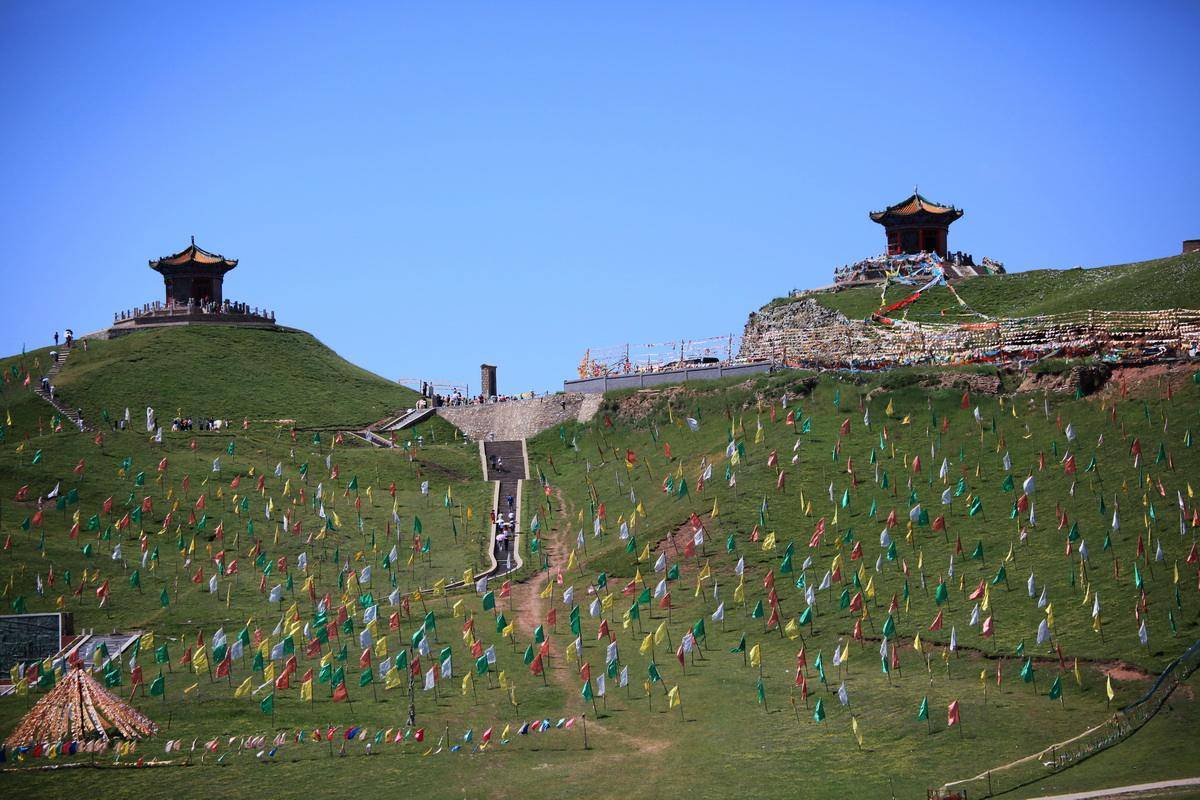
(193, 282)
(193, 275)
(916, 225)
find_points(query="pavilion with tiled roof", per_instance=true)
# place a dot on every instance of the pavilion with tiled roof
(193, 274)
(916, 225)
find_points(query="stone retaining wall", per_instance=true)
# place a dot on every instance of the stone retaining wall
(520, 419)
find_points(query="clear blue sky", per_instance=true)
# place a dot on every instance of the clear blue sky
(429, 187)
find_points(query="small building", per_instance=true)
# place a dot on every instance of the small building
(193, 275)
(193, 293)
(1191, 246)
(916, 225)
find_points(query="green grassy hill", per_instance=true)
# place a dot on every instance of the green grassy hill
(228, 372)
(739, 727)
(1172, 282)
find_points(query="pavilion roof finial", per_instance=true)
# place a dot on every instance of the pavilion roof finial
(193, 239)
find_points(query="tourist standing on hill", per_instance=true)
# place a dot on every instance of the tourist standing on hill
(56, 338)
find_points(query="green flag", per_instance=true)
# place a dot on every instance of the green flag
(819, 711)
(164, 598)
(923, 711)
(158, 687)
(268, 703)
(1055, 689)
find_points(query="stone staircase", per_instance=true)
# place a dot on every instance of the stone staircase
(510, 471)
(406, 420)
(62, 408)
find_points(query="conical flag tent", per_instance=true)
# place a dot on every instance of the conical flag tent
(79, 709)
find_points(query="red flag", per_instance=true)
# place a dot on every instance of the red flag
(340, 694)
(952, 718)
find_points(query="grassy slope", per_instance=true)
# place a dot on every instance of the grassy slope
(726, 741)
(727, 738)
(227, 372)
(1172, 282)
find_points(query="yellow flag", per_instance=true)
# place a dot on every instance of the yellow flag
(467, 683)
(508, 630)
(306, 688)
(645, 554)
(792, 629)
(503, 679)
(673, 697)
(647, 645)
(546, 593)
(857, 735)
(769, 541)
(739, 592)
(660, 633)
(458, 608)
(755, 656)
(917, 643)
(269, 672)
(391, 682)
(243, 689)
(715, 510)
(1108, 689)
(571, 561)
(381, 648)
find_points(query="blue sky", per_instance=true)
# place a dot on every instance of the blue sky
(427, 187)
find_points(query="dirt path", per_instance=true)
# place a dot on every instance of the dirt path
(531, 610)
(527, 601)
(1156, 789)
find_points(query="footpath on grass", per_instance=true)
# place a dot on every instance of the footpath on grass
(1126, 791)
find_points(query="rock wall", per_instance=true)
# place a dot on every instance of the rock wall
(804, 333)
(521, 419)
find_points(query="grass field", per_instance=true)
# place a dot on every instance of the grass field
(727, 735)
(225, 372)
(1172, 282)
